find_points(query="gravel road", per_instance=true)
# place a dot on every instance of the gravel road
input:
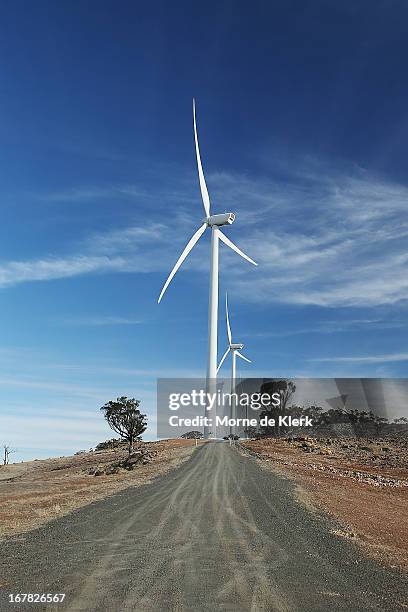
(216, 533)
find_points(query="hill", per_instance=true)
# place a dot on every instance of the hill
(34, 492)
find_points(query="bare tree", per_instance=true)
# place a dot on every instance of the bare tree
(7, 450)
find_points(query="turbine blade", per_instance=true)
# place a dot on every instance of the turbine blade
(182, 257)
(242, 357)
(223, 359)
(228, 323)
(234, 247)
(203, 186)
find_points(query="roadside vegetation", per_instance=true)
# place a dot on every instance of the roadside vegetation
(352, 422)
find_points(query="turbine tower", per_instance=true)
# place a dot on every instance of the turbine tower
(214, 222)
(235, 349)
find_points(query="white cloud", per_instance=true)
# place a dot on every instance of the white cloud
(320, 237)
(95, 193)
(15, 272)
(101, 321)
(128, 250)
(65, 389)
(343, 243)
(388, 358)
(329, 327)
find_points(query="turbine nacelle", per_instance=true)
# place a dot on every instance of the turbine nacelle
(236, 347)
(219, 220)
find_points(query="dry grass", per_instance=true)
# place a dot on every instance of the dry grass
(34, 492)
(366, 492)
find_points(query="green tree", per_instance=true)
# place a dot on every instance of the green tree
(401, 420)
(250, 431)
(124, 417)
(379, 422)
(286, 389)
(192, 435)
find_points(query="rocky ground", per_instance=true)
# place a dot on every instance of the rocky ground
(34, 492)
(362, 482)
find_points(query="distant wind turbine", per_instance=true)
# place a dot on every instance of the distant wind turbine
(235, 349)
(214, 222)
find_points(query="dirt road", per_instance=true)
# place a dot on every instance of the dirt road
(217, 533)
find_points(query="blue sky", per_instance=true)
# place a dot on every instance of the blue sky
(303, 126)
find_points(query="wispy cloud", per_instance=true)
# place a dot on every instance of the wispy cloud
(127, 250)
(388, 358)
(100, 321)
(130, 240)
(321, 237)
(15, 272)
(330, 327)
(65, 389)
(86, 194)
(342, 242)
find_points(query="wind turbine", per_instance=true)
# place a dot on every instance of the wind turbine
(235, 349)
(214, 222)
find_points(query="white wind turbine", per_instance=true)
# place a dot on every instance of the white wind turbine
(235, 349)
(214, 222)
